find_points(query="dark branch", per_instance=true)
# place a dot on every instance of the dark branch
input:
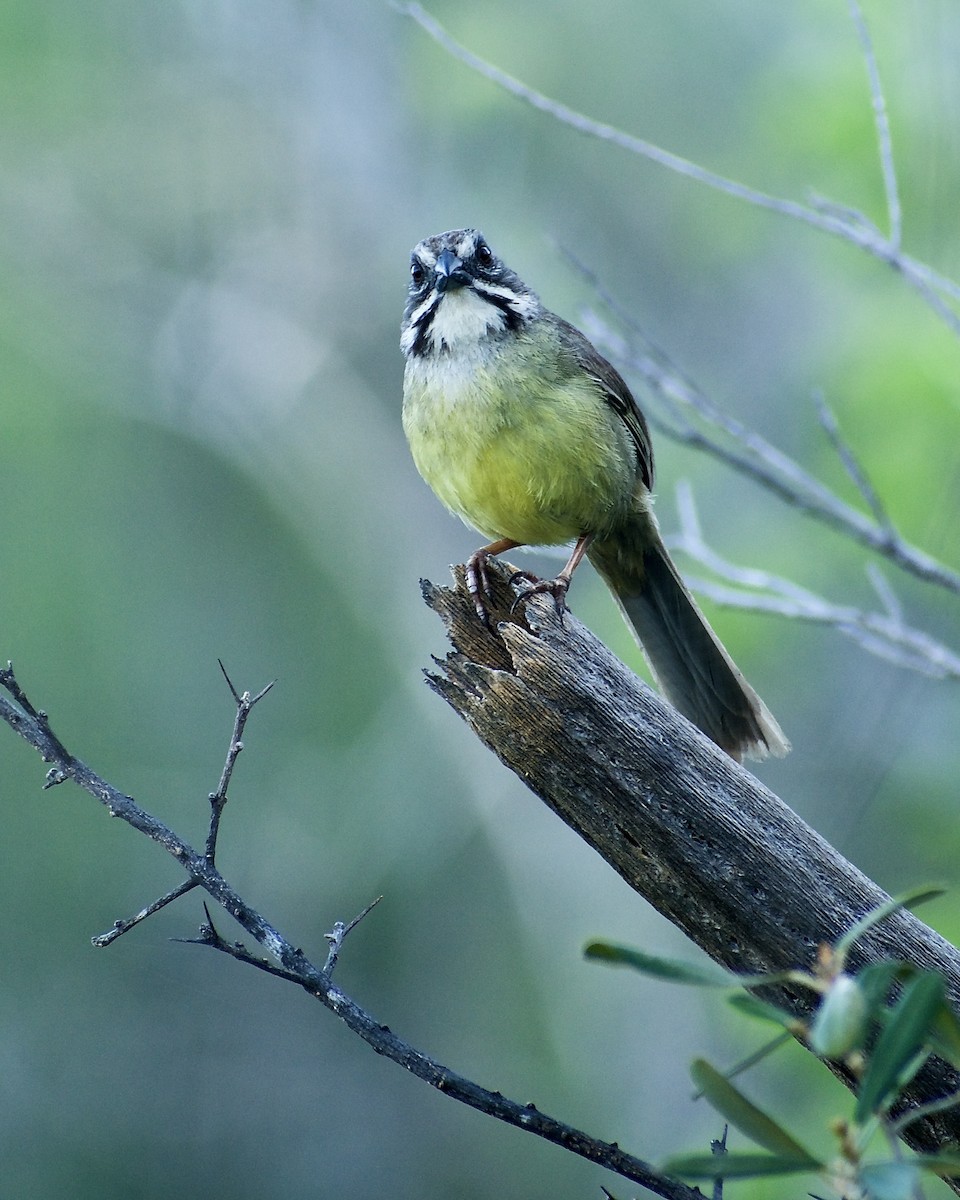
(294, 967)
(125, 925)
(245, 704)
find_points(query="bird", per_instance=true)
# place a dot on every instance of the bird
(528, 434)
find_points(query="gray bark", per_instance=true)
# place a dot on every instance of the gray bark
(690, 830)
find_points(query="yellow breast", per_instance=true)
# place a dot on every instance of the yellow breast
(517, 445)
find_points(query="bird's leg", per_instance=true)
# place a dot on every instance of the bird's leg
(478, 584)
(556, 587)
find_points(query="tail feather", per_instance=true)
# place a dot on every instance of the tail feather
(686, 657)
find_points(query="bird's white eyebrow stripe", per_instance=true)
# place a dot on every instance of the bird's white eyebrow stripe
(425, 255)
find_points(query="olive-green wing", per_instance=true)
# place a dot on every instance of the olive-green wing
(616, 393)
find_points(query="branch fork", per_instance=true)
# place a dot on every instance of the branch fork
(285, 961)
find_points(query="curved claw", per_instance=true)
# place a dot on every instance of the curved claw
(557, 588)
(525, 575)
(478, 582)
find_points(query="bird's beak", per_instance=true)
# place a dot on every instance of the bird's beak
(450, 272)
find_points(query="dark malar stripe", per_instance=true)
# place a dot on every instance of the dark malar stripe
(513, 320)
(419, 347)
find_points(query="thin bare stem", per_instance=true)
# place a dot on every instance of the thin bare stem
(882, 634)
(693, 419)
(336, 936)
(718, 1148)
(245, 704)
(852, 465)
(827, 217)
(882, 122)
(124, 926)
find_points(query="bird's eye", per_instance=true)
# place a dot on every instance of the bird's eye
(484, 254)
(417, 273)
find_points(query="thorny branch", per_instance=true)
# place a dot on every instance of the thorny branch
(286, 961)
(218, 799)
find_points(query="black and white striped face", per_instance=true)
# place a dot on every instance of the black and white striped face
(460, 293)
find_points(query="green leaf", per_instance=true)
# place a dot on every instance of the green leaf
(675, 971)
(670, 969)
(901, 1040)
(751, 1060)
(877, 979)
(736, 1166)
(946, 1164)
(909, 899)
(751, 1006)
(889, 1180)
(946, 1034)
(744, 1114)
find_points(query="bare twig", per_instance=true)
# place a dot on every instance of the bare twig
(885, 593)
(245, 704)
(291, 964)
(208, 935)
(882, 634)
(124, 925)
(218, 799)
(852, 465)
(859, 231)
(718, 1147)
(339, 932)
(693, 419)
(882, 122)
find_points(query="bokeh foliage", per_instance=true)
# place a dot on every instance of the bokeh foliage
(206, 215)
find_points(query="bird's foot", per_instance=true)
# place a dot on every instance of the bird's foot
(477, 579)
(478, 583)
(557, 588)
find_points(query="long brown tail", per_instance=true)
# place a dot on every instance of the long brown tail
(686, 657)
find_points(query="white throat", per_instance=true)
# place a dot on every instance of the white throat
(463, 319)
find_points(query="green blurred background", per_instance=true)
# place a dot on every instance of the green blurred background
(207, 210)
